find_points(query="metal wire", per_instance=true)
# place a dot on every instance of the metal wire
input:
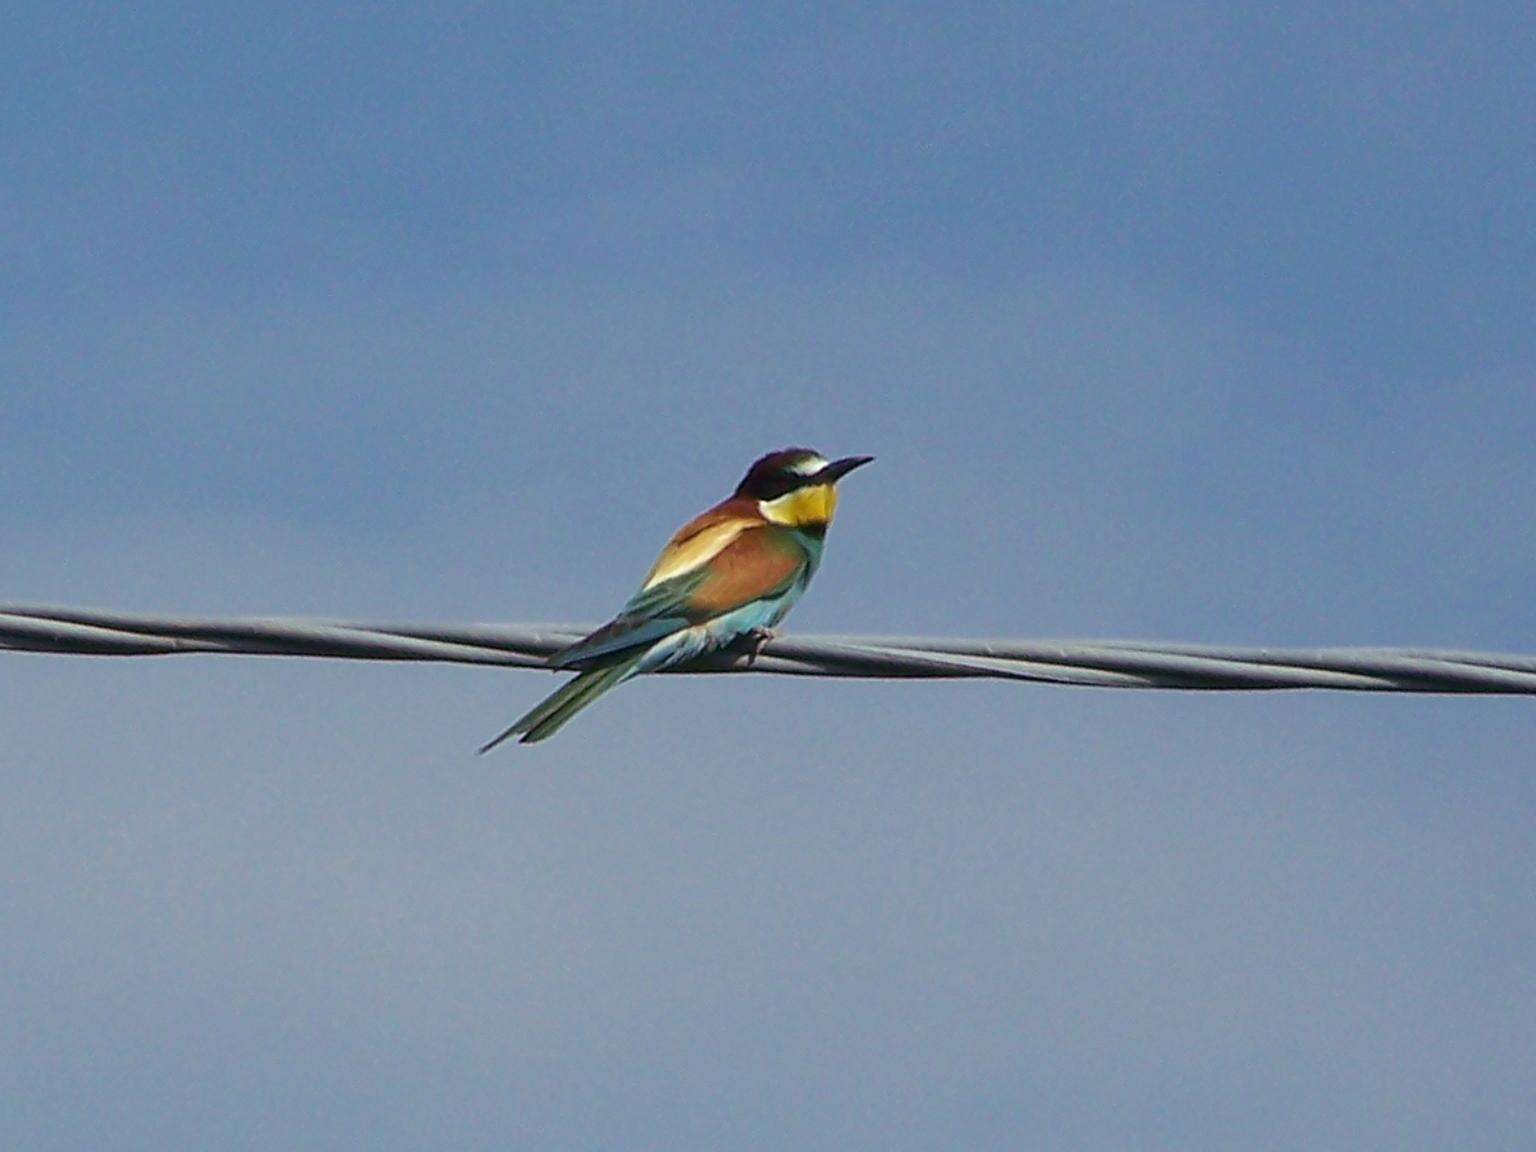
(1098, 663)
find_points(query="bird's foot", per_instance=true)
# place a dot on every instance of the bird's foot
(757, 640)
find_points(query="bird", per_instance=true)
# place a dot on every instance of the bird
(728, 575)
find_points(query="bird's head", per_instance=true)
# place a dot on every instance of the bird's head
(797, 487)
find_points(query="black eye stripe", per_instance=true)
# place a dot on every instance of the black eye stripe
(772, 486)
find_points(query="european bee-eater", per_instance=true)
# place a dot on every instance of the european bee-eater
(728, 574)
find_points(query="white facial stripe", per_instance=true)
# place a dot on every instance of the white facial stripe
(807, 467)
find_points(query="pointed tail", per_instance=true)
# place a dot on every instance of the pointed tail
(551, 714)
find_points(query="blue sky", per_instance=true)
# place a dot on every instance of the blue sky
(1187, 322)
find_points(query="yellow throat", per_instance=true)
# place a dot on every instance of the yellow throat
(804, 507)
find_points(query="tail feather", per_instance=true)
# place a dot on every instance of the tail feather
(549, 715)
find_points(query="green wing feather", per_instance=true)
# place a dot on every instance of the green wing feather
(684, 600)
(651, 614)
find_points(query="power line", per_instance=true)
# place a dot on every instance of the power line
(1097, 663)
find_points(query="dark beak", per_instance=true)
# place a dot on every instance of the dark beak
(836, 470)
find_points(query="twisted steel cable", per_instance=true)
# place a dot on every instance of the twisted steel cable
(1097, 663)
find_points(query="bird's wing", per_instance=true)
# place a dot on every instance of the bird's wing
(758, 560)
(698, 542)
(758, 565)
